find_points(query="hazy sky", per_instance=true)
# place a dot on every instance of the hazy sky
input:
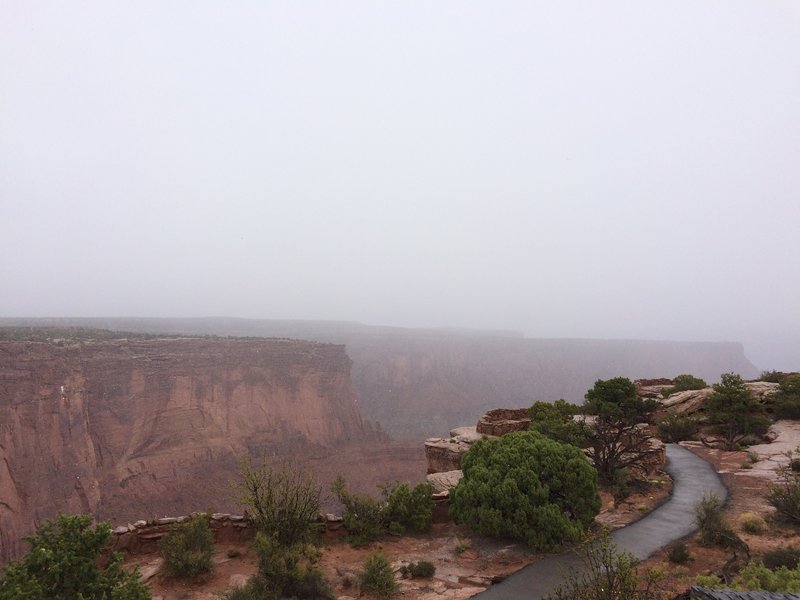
(569, 169)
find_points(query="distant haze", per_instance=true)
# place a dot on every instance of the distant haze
(625, 170)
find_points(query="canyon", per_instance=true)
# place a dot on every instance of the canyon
(145, 427)
(420, 383)
(135, 425)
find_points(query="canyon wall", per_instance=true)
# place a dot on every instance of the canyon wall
(146, 427)
(417, 383)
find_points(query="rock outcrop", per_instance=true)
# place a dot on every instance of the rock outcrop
(125, 428)
(691, 401)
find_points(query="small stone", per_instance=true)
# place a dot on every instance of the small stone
(120, 530)
(139, 524)
(166, 521)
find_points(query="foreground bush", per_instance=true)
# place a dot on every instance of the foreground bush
(782, 557)
(63, 562)
(282, 500)
(188, 547)
(711, 525)
(607, 574)
(755, 576)
(528, 487)
(288, 572)
(377, 576)
(364, 517)
(752, 523)
(404, 508)
(419, 570)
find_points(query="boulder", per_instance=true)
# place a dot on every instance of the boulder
(444, 482)
(444, 454)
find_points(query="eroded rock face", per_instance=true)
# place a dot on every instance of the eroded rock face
(691, 401)
(123, 429)
(501, 421)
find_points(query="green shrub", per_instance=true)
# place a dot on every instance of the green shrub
(461, 545)
(364, 517)
(528, 487)
(713, 529)
(377, 576)
(684, 383)
(676, 428)
(282, 500)
(289, 572)
(678, 553)
(736, 413)
(772, 376)
(64, 562)
(756, 576)
(787, 399)
(607, 574)
(752, 523)
(616, 400)
(782, 557)
(420, 570)
(410, 509)
(188, 547)
(621, 484)
(556, 422)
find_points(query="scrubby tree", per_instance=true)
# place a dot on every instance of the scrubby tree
(64, 562)
(282, 499)
(528, 487)
(735, 411)
(557, 422)
(615, 400)
(619, 444)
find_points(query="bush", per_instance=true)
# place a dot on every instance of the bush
(377, 576)
(556, 422)
(421, 570)
(782, 557)
(528, 487)
(607, 574)
(283, 500)
(752, 523)
(188, 547)
(735, 411)
(756, 576)
(784, 494)
(787, 399)
(410, 509)
(676, 428)
(678, 553)
(772, 376)
(288, 572)
(684, 383)
(615, 400)
(64, 562)
(364, 517)
(713, 529)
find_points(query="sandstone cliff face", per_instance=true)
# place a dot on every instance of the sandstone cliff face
(126, 429)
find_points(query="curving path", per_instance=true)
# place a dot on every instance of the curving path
(671, 521)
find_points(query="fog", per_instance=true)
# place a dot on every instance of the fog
(566, 169)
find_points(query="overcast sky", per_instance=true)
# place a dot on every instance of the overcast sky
(568, 169)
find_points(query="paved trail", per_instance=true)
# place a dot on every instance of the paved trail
(673, 520)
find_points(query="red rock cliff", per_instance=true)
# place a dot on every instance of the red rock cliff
(124, 429)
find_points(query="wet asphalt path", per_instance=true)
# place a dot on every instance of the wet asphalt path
(671, 521)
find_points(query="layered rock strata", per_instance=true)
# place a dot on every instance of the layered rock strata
(137, 427)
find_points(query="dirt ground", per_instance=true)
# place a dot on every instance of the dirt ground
(465, 564)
